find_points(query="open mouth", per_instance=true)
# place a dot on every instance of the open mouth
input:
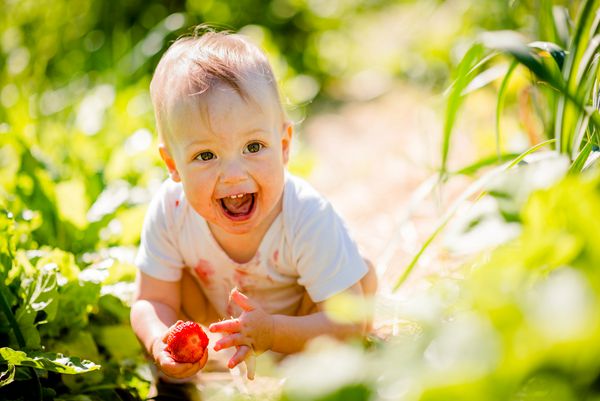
(239, 206)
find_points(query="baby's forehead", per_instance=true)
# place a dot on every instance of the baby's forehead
(252, 93)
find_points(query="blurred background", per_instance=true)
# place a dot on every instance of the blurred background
(362, 79)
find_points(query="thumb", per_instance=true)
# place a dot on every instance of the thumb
(242, 301)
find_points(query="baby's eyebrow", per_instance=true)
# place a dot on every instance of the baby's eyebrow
(254, 131)
(198, 142)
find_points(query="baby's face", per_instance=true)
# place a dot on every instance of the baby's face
(229, 154)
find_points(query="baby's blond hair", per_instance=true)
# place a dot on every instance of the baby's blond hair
(193, 65)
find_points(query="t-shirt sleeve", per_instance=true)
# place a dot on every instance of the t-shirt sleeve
(158, 255)
(327, 259)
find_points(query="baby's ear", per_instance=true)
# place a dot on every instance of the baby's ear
(286, 140)
(170, 163)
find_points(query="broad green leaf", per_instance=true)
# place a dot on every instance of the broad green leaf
(63, 260)
(127, 346)
(76, 300)
(76, 342)
(38, 294)
(53, 362)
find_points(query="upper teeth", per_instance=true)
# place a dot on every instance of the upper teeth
(236, 196)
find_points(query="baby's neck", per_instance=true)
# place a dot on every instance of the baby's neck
(239, 248)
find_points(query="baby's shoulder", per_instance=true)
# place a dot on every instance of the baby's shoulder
(302, 202)
(169, 203)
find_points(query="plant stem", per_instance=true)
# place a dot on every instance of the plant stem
(11, 319)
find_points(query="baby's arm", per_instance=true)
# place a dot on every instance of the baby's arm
(293, 332)
(153, 312)
(258, 330)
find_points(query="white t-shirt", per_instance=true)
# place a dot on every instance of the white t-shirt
(307, 248)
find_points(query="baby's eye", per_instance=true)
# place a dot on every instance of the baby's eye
(206, 156)
(254, 147)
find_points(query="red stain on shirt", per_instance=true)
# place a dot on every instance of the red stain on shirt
(276, 256)
(177, 203)
(204, 271)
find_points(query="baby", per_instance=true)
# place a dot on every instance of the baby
(231, 240)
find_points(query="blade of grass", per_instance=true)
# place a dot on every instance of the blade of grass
(455, 99)
(473, 189)
(484, 78)
(562, 24)
(567, 115)
(500, 103)
(532, 149)
(547, 27)
(485, 162)
(582, 157)
(589, 57)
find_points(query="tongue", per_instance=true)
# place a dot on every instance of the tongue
(238, 206)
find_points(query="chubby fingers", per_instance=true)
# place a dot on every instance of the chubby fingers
(241, 300)
(242, 352)
(251, 366)
(226, 326)
(230, 341)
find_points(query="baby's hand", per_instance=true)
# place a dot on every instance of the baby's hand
(251, 332)
(183, 361)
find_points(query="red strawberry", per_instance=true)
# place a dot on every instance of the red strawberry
(186, 341)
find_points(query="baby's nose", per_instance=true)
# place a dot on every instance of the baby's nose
(233, 172)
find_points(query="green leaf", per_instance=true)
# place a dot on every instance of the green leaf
(127, 346)
(76, 342)
(557, 53)
(582, 157)
(38, 294)
(8, 376)
(570, 110)
(464, 74)
(49, 361)
(475, 167)
(512, 43)
(76, 300)
(500, 103)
